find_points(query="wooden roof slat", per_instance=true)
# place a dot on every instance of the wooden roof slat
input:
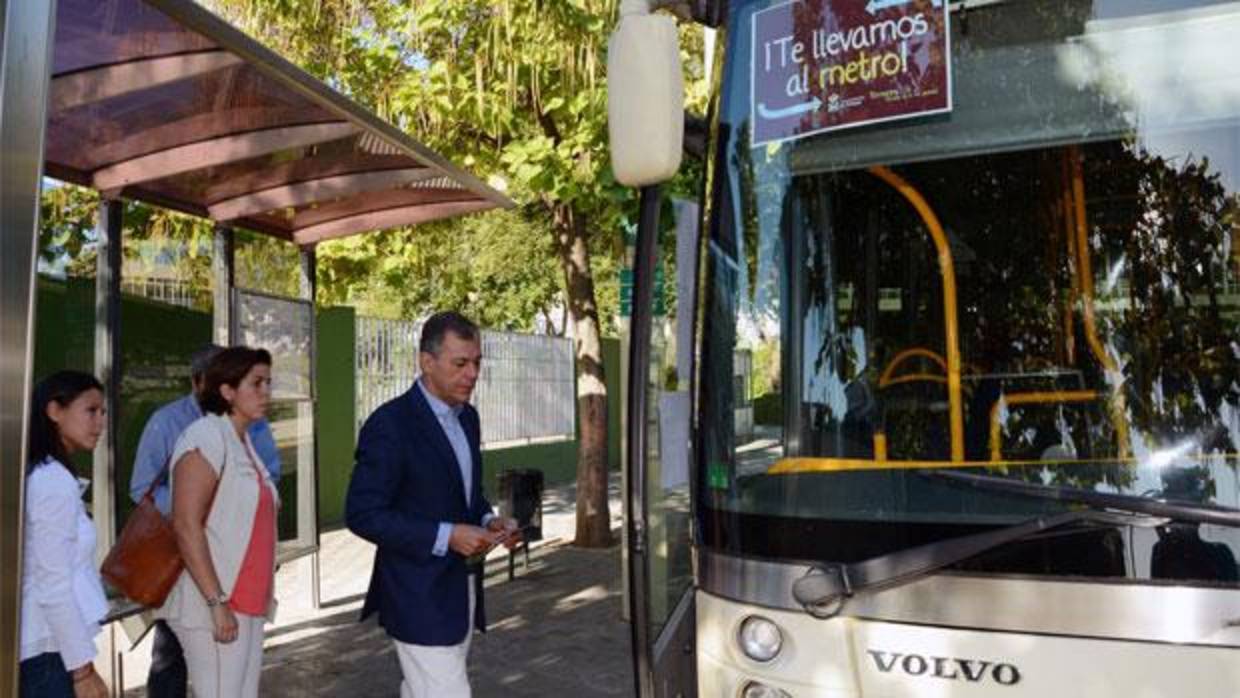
(316, 190)
(391, 198)
(301, 170)
(109, 146)
(215, 151)
(388, 218)
(97, 84)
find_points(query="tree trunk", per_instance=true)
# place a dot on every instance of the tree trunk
(593, 518)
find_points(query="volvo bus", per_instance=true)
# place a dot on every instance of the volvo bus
(986, 258)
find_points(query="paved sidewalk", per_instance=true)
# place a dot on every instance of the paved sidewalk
(555, 630)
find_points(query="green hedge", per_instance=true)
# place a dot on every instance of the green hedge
(769, 409)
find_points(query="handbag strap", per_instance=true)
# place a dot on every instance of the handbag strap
(224, 431)
(150, 491)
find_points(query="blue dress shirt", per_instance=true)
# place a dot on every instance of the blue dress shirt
(160, 435)
(449, 420)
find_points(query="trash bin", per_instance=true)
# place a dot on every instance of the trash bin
(520, 497)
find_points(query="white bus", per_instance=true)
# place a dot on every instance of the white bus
(1004, 459)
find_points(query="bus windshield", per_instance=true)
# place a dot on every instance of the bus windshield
(1042, 285)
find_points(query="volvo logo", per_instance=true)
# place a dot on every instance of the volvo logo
(950, 668)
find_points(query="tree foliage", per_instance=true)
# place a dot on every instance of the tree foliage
(514, 89)
(497, 268)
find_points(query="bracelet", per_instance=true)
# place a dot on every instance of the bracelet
(213, 601)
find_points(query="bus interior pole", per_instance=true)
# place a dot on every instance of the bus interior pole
(639, 379)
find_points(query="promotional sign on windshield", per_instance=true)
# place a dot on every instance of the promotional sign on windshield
(820, 65)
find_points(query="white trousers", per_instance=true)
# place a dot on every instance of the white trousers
(224, 670)
(437, 671)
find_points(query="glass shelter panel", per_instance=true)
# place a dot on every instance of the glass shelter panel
(284, 327)
(64, 321)
(65, 287)
(1042, 286)
(166, 311)
(266, 264)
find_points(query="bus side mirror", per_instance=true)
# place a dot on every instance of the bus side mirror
(645, 97)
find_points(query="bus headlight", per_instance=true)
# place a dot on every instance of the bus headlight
(760, 639)
(753, 689)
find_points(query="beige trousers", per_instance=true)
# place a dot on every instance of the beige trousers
(224, 670)
(437, 672)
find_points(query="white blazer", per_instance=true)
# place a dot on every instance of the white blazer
(231, 520)
(62, 595)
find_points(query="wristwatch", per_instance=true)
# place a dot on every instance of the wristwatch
(213, 601)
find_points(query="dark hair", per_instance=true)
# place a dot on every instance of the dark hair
(200, 359)
(439, 324)
(62, 388)
(229, 367)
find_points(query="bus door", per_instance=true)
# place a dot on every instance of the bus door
(658, 475)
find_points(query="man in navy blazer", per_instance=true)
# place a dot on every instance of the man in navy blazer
(416, 493)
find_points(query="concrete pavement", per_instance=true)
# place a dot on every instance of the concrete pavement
(555, 630)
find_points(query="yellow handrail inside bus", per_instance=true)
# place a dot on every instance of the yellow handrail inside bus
(913, 378)
(1069, 230)
(1085, 283)
(1031, 398)
(948, 272)
(791, 466)
(886, 379)
(880, 446)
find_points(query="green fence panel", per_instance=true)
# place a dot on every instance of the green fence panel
(557, 461)
(336, 405)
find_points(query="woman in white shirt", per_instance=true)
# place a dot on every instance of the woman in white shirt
(62, 596)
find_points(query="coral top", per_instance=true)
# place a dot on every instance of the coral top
(252, 591)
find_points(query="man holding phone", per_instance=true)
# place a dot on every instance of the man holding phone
(416, 493)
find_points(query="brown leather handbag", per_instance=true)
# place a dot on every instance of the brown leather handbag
(145, 561)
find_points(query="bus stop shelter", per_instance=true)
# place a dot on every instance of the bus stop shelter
(161, 102)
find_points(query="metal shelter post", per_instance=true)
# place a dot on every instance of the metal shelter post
(108, 227)
(25, 65)
(107, 364)
(307, 517)
(222, 278)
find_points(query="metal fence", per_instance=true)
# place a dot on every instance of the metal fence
(526, 391)
(387, 362)
(171, 291)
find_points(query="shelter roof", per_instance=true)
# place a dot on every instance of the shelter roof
(161, 101)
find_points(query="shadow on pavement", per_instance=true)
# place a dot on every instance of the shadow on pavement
(555, 630)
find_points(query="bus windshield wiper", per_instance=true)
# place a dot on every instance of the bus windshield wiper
(1166, 508)
(825, 588)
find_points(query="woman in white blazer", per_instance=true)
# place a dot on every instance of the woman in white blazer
(224, 509)
(62, 597)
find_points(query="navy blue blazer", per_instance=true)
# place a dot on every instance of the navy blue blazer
(405, 482)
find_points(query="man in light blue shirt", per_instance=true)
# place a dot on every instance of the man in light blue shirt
(168, 676)
(449, 417)
(165, 426)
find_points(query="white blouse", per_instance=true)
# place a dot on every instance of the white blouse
(63, 600)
